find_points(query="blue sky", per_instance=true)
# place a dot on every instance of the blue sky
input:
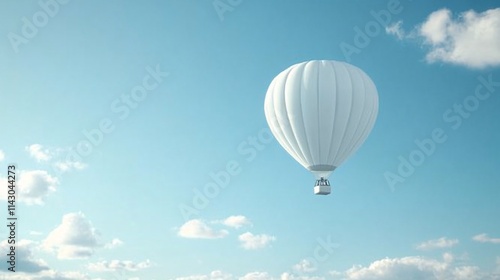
(142, 149)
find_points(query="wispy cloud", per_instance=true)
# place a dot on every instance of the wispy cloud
(290, 276)
(304, 266)
(214, 275)
(38, 152)
(472, 39)
(49, 274)
(117, 265)
(62, 159)
(484, 238)
(236, 221)
(2, 155)
(440, 243)
(113, 244)
(250, 241)
(396, 29)
(256, 275)
(68, 165)
(198, 229)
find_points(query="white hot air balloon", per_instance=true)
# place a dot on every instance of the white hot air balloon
(321, 111)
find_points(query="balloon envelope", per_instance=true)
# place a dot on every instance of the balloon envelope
(321, 111)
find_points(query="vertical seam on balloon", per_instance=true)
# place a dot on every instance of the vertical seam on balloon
(308, 152)
(281, 137)
(300, 155)
(317, 111)
(342, 144)
(279, 124)
(369, 124)
(335, 109)
(373, 114)
(346, 153)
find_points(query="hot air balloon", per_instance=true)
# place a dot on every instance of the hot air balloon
(321, 112)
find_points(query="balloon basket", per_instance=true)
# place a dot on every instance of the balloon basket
(322, 187)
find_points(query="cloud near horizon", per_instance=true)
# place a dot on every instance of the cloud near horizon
(440, 243)
(410, 267)
(118, 265)
(484, 238)
(25, 260)
(304, 266)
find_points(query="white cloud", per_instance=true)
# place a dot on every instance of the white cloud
(62, 159)
(214, 275)
(304, 266)
(74, 238)
(466, 273)
(32, 186)
(435, 29)
(25, 261)
(411, 267)
(35, 185)
(2, 155)
(256, 275)
(198, 229)
(415, 267)
(48, 275)
(472, 39)
(69, 165)
(236, 221)
(220, 275)
(38, 152)
(113, 244)
(442, 242)
(289, 276)
(396, 29)
(117, 265)
(484, 238)
(250, 241)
